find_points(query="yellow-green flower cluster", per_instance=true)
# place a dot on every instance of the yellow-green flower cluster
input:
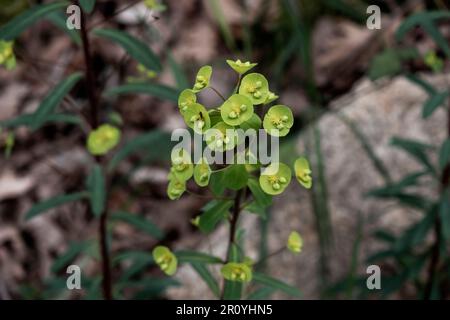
(295, 242)
(165, 259)
(7, 57)
(238, 111)
(101, 140)
(240, 272)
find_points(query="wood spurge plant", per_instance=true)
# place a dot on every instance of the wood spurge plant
(237, 187)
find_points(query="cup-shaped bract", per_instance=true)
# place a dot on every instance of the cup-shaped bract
(7, 57)
(303, 172)
(202, 173)
(275, 178)
(202, 78)
(256, 87)
(176, 187)
(182, 167)
(241, 67)
(101, 140)
(165, 259)
(236, 110)
(186, 98)
(294, 242)
(240, 272)
(197, 118)
(221, 137)
(278, 120)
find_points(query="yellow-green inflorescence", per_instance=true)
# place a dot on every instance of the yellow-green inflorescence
(295, 242)
(101, 140)
(275, 178)
(240, 272)
(165, 259)
(236, 112)
(7, 57)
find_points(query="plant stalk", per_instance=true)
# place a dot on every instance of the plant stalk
(94, 119)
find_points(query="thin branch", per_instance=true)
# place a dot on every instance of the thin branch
(218, 93)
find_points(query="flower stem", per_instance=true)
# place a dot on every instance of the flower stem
(94, 118)
(218, 93)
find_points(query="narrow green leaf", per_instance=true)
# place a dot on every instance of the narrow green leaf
(27, 120)
(97, 190)
(154, 140)
(433, 103)
(444, 214)
(72, 251)
(157, 90)
(276, 284)
(53, 99)
(444, 154)
(132, 255)
(416, 149)
(178, 74)
(138, 222)
(426, 86)
(212, 216)
(59, 19)
(186, 256)
(261, 293)
(56, 201)
(134, 47)
(21, 22)
(87, 5)
(256, 208)
(204, 273)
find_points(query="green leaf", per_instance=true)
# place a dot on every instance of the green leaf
(21, 22)
(87, 5)
(261, 293)
(426, 20)
(204, 273)
(235, 177)
(276, 284)
(389, 62)
(134, 47)
(158, 90)
(74, 250)
(444, 214)
(262, 198)
(178, 74)
(233, 289)
(59, 19)
(392, 189)
(56, 201)
(256, 208)
(97, 190)
(187, 256)
(154, 140)
(428, 87)
(444, 154)
(28, 119)
(212, 216)
(215, 183)
(53, 99)
(433, 103)
(416, 149)
(139, 222)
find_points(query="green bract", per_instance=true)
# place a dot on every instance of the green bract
(241, 67)
(275, 178)
(202, 173)
(186, 99)
(197, 118)
(166, 260)
(295, 242)
(234, 271)
(103, 139)
(182, 167)
(145, 72)
(433, 61)
(278, 121)
(236, 110)
(271, 97)
(218, 140)
(255, 87)
(202, 79)
(303, 172)
(253, 123)
(176, 187)
(7, 57)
